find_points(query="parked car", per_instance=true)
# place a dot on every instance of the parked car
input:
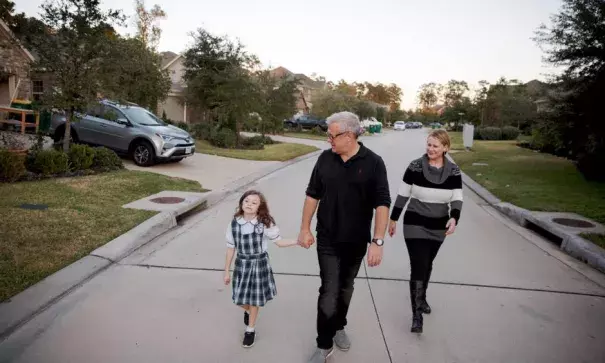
(435, 125)
(127, 129)
(413, 125)
(399, 126)
(307, 122)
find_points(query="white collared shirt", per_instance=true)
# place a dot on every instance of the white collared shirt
(247, 227)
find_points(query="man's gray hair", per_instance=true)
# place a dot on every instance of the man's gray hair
(348, 122)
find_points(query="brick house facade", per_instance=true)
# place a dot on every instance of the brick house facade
(15, 68)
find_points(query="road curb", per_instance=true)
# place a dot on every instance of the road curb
(572, 244)
(22, 307)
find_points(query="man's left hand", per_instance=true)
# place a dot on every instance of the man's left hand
(374, 255)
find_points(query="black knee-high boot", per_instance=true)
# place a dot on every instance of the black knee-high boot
(425, 307)
(416, 293)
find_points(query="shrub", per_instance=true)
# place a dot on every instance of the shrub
(318, 131)
(182, 125)
(257, 142)
(477, 133)
(457, 128)
(591, 165)
(547, 139)
(12, 166)
(224, 138)
(106, 159)
(491, 133)
(510, 133)
(48, 162)
(201, 131)
(81, 157)
(269, 141)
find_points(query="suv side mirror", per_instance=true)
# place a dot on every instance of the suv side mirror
(122, 121)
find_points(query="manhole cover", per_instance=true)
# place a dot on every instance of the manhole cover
(168, 200)
(577, 223)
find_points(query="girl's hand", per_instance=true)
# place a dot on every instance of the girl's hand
(227, 278)
(392, 228)
(451, 226)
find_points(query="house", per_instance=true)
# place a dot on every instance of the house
(304, 97)
(15, 68)
(174, 106)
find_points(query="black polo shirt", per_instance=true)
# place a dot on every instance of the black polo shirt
(348, 192)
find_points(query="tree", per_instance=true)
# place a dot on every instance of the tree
(429, 95)
(136, 73)
(146, 21)
(508, 103)
(576, 40)
(327, 102)
(398, 115)
(277, 100)
(348, 89)
(364, 109)
(219, 79)
(377, 93)
(481, 99)
(454, 91)
(25, 28)
(395, 94)
(72, 50)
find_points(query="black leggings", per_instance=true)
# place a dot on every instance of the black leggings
(422, 253)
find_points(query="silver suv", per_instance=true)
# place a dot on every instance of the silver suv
(127, 129)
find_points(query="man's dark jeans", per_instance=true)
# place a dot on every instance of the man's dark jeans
(338, 266)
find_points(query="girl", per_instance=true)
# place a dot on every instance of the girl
(253, 284)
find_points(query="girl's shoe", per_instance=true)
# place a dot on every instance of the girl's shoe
(249, 339)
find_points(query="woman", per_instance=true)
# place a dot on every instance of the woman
(434, 187)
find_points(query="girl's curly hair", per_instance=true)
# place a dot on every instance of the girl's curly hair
(263, 209)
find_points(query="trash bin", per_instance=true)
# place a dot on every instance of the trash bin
(45, 117)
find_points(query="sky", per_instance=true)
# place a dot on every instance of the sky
(407, 42)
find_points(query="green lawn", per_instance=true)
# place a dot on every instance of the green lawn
(83, 213)
(598, 239)
(456, 139)
(275, 152)
(531, 180)
(305, 135)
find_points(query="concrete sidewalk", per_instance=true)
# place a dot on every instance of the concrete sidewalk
(212, 172)
(498, 294)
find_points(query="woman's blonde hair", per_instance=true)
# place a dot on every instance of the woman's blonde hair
(443, 137)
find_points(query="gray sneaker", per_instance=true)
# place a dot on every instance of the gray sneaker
(342, 341)
(321, 355)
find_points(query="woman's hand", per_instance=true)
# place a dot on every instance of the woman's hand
(392, 228)
(227, 278)
(451, 226)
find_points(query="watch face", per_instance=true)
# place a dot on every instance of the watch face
(379, 242)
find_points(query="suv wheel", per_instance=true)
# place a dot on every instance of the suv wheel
(143, 154)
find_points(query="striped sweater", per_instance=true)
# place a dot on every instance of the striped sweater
(435, 196)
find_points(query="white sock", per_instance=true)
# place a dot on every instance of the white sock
(249, 329)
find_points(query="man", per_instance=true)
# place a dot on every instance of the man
(348, 182)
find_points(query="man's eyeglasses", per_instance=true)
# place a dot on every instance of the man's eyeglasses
(333, 137)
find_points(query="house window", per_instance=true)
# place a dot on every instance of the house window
(37, 90)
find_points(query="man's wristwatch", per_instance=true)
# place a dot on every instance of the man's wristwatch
(378, 241)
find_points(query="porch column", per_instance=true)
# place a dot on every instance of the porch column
(185, 113)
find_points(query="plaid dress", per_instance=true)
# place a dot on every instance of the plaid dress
(252, 282)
